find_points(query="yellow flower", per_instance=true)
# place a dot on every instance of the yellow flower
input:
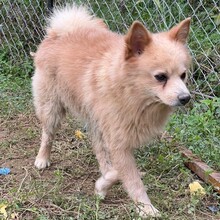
(14, 215)
(79, 134)
(196, 189)
(3, 210)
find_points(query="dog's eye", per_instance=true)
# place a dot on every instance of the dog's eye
(161, 77)
(183, 76)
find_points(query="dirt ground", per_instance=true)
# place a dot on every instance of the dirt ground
(66, 189)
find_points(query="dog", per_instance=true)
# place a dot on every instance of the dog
(124, 87)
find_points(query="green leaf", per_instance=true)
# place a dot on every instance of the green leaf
(157, 3)
(217, 19)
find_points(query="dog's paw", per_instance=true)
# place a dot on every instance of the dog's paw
(147, 210)
(41, 163)
(99, 191)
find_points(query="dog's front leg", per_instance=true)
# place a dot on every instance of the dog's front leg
(109, 175)
(123, 161)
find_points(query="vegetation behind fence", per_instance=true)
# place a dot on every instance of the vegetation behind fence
(22, 25)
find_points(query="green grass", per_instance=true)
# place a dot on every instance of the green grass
(14, 94)
(199, 130)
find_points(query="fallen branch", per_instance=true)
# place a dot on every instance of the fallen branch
(200, 168)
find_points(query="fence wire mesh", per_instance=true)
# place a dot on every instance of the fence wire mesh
(22, 25)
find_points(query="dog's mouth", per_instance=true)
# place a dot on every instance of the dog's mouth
(174, 104)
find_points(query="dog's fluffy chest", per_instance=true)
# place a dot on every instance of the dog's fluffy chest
(147, 123)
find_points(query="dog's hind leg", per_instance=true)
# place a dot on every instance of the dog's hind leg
(43, 158)
(50, 112)
(50, 124)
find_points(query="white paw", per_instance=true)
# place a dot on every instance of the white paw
(147, 210)
(41, 163)
(99, 191)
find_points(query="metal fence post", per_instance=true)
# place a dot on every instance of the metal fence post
(50, 5)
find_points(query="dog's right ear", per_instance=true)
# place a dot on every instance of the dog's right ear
(136, 40)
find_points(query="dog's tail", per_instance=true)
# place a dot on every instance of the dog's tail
(69, 19)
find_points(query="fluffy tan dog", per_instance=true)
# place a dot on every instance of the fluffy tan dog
(124, 86)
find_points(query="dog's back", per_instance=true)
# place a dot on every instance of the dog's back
(72, 33)
(71, 58)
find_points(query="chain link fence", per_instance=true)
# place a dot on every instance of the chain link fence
(22, 25)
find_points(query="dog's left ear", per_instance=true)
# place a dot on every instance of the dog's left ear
(136, 40)
(180, 32)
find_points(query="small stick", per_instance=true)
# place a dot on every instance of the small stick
(200, 168)
(26, 174)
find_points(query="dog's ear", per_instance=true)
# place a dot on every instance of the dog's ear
(136, 40)
(180, 32)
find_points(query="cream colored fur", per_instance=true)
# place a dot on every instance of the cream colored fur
(108, 80)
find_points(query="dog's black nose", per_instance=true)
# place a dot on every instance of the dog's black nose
(184, 98)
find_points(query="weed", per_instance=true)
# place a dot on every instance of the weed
(199, 130)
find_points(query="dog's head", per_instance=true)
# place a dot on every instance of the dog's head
(160, 61)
